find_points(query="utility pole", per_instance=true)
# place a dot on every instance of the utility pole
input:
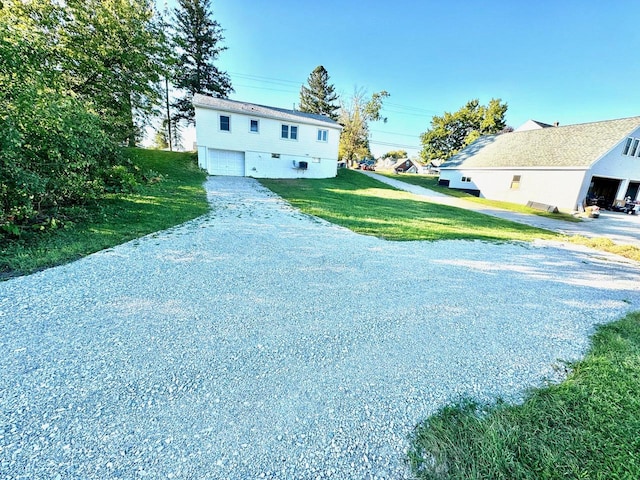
(166, 81)
(166, 90)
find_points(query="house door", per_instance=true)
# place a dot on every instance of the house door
(225, 162)
(632, 191)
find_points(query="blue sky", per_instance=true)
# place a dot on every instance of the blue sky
(567, 61)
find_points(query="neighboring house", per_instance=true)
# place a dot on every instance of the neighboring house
(242, 139)
(533, 125)
(408, 165)
(559, 166)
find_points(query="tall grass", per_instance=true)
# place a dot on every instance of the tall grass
(587, 427)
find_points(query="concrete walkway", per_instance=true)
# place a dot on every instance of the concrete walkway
(619, 227)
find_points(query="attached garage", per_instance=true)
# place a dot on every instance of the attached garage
(225, 162)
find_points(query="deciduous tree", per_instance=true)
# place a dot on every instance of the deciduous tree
(319, 97)
(355, 117)
(198, 39)
(453, 131)
(115, 55)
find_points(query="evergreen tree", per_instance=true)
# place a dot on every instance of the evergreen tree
(319, 97)
(198, 40)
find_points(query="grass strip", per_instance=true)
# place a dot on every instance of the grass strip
(586, 427)
(178, 197)
(370, 207)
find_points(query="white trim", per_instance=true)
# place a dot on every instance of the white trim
(220, 123)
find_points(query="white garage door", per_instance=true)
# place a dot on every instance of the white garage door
(225, 162)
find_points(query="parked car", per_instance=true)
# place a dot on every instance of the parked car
(367, 164)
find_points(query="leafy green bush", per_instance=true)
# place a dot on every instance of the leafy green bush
(54, 153)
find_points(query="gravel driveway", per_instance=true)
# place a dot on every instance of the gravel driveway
(256, 342)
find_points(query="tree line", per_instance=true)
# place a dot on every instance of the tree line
(79, 79)
(447, 135)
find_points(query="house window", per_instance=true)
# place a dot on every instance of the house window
(515, 182)
(225, 123)
(289, 131)
(466, 179)
(322, 135)
(627, 146)
(634, 147)
(253, 126)
(275, 155)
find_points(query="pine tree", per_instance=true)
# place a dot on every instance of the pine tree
(197, 38)
(319, 97)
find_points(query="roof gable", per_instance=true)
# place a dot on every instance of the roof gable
(227, 105)
(569, 146)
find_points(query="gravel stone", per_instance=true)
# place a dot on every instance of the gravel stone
(258, 342)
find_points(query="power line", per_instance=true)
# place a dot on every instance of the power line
(398, 134)
(395, 145)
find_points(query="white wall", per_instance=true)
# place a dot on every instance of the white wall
(618, 166)
(552, 187)
(322, 157)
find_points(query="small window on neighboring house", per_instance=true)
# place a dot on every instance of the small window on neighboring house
(464, 179)
(468, 179)
(253, 126)
(289, 131)
(515, 182)
(634, 147)
(275, 155)
(225, 123)
(322, 135)
(627, 146)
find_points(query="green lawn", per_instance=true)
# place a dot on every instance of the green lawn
(368, 206)
(179, 197)
(431, 182)
(587, 427)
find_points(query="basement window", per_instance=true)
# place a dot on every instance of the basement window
(515, 182)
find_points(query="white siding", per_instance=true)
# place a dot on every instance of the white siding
(261, 149)
(552, 187)
(618, 166)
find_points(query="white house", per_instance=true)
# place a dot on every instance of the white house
(553, 165)
(242, 139)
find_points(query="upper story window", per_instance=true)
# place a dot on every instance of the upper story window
(631, 147)
(323, 135)
(289, 131)
(515, 182)
(225, 123)
(254, 126)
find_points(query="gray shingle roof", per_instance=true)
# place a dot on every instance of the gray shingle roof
(261, 110)
(568, 146)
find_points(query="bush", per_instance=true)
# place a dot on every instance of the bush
(54, 153)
